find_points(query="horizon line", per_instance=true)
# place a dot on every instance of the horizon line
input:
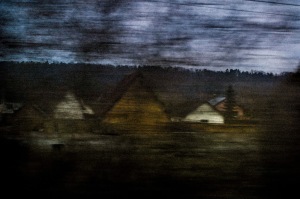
(187, 68)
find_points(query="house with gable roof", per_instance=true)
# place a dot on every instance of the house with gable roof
(134, 106)
(212, 112)
(205, 113)
(64, 114)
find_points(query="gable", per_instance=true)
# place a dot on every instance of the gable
(205, 109)
(205, 113)
(137, 106)
(71, 108)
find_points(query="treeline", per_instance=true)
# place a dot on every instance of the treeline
(86, 66)
(179, 89)
(174, 86)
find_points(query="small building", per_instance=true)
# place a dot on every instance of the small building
(64, 114)
(213, 112)
(205, 113)
(72, 115)
(71, 108)
(134, 106)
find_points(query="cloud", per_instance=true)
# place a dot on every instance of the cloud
(182, 33)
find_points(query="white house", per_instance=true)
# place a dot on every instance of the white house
(71, 108)
(205, 113)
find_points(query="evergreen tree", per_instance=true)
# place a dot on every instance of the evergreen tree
(230, 104)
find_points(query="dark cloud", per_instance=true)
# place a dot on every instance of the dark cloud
(180, 32)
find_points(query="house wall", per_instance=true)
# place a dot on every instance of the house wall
(69, 108)
(206, 114)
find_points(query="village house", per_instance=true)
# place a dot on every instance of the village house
(72, 115)
(213, 112)
(134, 106)
(205, 113)
(71, 108)
(68, 115)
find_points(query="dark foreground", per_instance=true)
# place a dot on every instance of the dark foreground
(171, 165)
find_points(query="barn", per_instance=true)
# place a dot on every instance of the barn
(134, 106)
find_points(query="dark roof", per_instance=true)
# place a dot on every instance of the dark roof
(124, 85)
(31, 111)
(216, 100)
(121, 88)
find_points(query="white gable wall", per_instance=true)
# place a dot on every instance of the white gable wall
(206, 114)
(71, 108)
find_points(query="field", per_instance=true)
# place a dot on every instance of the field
(168, 164)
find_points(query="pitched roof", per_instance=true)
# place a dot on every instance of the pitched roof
(71, 108)
(123, 88)
(124, 85)
(31, 111)
(206, 103)
(194, 105)
(216, 100)
(119, 90)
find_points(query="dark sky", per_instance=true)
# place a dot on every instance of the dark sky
(215, 34)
